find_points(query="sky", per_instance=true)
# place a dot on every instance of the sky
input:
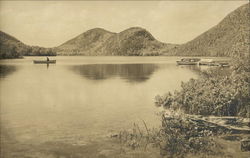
(51, 23)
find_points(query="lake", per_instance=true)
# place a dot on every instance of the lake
(80, 99)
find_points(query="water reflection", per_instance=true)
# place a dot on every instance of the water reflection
(6, 70)
(194, 68)
(201, 70)
(129, 72)
(72, 103)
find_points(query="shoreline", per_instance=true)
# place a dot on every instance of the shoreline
(112, 147)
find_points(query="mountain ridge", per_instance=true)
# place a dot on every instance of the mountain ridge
(86, 42)
(11, 47)
(221, 40)
(132, 41)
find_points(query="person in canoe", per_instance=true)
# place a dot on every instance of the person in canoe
(47, 58)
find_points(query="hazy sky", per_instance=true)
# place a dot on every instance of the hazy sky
(50, 23)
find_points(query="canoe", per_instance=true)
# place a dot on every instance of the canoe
(210, 62)
(44, 61)
(188, 61)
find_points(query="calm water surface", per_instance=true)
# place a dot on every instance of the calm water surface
(81, 99)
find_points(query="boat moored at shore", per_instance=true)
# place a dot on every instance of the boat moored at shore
(211, 62)
(205, 62)
(188, 61)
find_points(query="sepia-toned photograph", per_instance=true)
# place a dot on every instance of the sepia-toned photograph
(124, 79)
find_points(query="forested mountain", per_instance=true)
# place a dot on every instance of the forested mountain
(10, 47)
(224, 39)
(86, 43)
(133, 41)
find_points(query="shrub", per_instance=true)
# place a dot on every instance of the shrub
(180, 135)
(215, 93)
